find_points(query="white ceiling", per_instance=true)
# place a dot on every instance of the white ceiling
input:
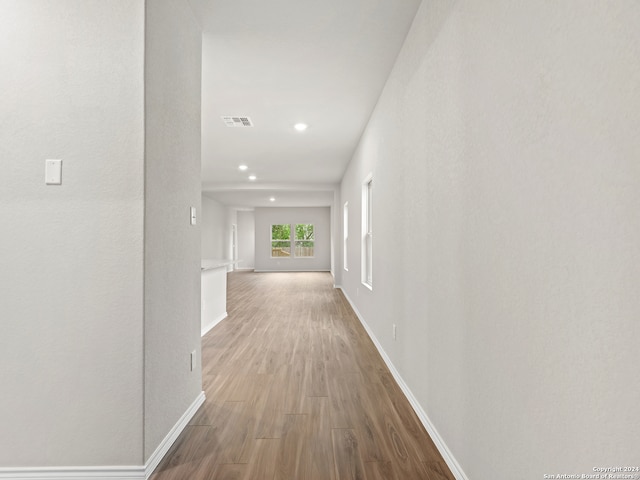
(280, 62)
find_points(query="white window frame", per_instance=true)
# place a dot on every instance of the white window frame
(271, 240)
(366, 274)
(345, 234)
(295, 240)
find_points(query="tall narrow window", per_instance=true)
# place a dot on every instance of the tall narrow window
(367, 232)
(305, 240)
(281, 240)
(345, 234)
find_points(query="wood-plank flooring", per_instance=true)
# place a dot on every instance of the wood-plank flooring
(296, 390)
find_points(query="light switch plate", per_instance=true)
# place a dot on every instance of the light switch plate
(53, 172)
(193, 215)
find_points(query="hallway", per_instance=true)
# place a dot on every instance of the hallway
(297, 391)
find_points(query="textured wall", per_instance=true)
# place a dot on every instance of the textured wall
(172, 245)
(505, 150)
(246, 239)
(71, 255)
(215, 231)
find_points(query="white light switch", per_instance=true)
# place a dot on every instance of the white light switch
(53, 172)
(193, 215)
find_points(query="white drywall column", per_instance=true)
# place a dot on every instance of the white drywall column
(172, 246)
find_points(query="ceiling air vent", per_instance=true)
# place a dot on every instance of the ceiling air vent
(237, 121)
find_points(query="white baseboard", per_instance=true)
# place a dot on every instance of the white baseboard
(140, 472)
(80, 473)
(448, 457)
(206, 329)
(172, 436)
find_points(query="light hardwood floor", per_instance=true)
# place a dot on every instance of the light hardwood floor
(296, 390)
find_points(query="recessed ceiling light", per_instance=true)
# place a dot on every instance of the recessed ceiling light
(272, 199)
(243, 167)
(301, 127)
(252, 177)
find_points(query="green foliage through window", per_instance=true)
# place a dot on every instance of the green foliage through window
(304, 232)
(281, 232)
(304, 240)
(281, 240)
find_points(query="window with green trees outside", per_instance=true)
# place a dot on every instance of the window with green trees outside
(281, 240)
(305, 240)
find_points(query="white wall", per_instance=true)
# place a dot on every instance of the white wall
(336, 237)
(216, 225)
(172, 245)
(246, 239)
(214, 228)
(71, 261)
(231, 216)
(90, 265)
(320, 217)
(504, 152)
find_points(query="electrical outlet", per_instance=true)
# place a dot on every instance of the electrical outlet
(395, 331)
(193, 360)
